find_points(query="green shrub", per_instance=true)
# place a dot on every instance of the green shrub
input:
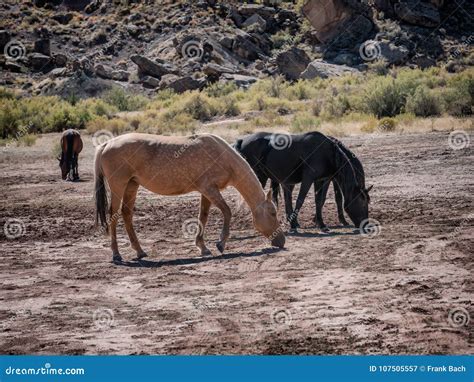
(199, 107)
(387, 124)
(381, 97)
(457, 103)
(220, 89)
(10, 116)
(123, 101)
(27, 140)
(424, 103)
(304, 122)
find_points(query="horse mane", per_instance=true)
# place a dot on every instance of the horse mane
(345, 173)
(355, 162)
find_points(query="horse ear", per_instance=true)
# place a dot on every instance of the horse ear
(370, 187)
(58, 158)
(269, 196)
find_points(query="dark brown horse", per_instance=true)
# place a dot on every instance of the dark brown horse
(71, 146)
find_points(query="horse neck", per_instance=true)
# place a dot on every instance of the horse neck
(247, 184)
(345, 173)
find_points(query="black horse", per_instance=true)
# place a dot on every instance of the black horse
(321, 189)
(309, 159)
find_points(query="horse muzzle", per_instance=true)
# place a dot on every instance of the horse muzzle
(279, 240)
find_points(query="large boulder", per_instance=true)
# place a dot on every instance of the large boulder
(248, 10)
(111, 74)
(4, 39)
(292, 63)
(153, 68)
(418, 13)
(43, 46)
(393, 54)
(40, 62)
(182, 84)
(255, 21)
(325, 16)
(342, 23)
(240, 80)
(321, 69)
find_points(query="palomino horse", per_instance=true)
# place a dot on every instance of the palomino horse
(309, 159)
(174, 166)
(71, 146)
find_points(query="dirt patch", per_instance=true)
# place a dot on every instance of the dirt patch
(405, 290)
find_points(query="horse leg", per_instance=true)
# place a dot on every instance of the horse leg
(216, 198)
(115, 199)
(339, 202)
(75, 166)
(203, 215)
(287, 194)
(305, 186)
(275, 189)
(128, 202)
(320, 193)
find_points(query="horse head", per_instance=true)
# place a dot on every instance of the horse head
(357, 205)
(266, 222)
(63, 166)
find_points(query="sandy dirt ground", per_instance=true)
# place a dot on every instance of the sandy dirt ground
(408, 289)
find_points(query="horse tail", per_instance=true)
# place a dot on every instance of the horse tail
(69, 148)
(101, 202)
(238, 145)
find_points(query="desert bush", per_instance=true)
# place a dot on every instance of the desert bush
(123, 101)
(220, 89)
(199, 107)
(27, 140)
(387, 124)
(423, 103)
(304, 121)
(381, 97)
(300, 90)
(228, 106)
(10, 116)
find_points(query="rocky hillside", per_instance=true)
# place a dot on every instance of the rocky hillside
(81, 48)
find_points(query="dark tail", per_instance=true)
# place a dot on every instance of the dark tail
(237, 145)
(69, 150)
(101, 202)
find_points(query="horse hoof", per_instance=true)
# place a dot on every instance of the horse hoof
(141, 255)
(220, 247)
(206, 253)
(324, 229)
(294, 230)
(116, 258)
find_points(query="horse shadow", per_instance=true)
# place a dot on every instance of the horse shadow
(142, 263)
(323, 235)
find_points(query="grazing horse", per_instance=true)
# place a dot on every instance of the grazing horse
(321, 189)
(309, 159)
(175, 166)
(71, 146)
